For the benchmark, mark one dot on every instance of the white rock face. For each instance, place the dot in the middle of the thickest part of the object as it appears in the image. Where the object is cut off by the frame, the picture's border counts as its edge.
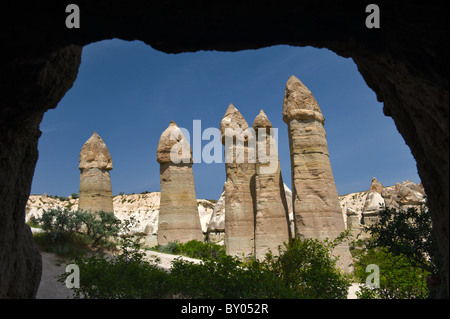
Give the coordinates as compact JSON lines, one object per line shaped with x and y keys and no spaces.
{"x":400,"y":196}
{"x":143,"y":207}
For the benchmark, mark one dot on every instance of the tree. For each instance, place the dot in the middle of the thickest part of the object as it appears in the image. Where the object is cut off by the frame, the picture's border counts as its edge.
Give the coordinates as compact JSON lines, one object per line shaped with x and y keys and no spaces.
{"x":403,"y":245}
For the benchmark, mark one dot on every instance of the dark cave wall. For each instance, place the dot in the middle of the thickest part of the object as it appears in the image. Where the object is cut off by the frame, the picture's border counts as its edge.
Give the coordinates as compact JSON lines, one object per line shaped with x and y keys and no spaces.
{"x":405,"y":62}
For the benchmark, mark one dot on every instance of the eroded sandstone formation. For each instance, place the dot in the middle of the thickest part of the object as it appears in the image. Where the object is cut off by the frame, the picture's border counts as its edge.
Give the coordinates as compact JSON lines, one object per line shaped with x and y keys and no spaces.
{"x":362,"y":208}
{"x":95,"y":162}
{"x":317,"y":210}
{"x":271,"y":212}
{"x":178,"y":214}
{"x":240,"y":184}
{"x":374,"y":202}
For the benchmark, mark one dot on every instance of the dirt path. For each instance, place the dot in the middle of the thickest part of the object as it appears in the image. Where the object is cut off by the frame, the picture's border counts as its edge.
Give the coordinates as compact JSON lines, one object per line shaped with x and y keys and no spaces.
{"x":50,"y":288}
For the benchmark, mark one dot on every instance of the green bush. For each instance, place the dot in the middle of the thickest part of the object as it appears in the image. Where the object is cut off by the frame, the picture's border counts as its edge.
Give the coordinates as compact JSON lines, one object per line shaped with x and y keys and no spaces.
{"x":201,"y":250}
{"x":172,"y":247}
{"x":66,"y":228}
{"x":399,"y":278}
{"x":126,"y":276}
{"x":193,"y":249}
{"x":225,"y":277}
{"x":306,"y":267}
{"x":403,"y":246}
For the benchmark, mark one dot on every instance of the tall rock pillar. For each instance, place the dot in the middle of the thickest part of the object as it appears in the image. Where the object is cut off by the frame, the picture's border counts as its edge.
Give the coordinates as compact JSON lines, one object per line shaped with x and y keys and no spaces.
{"x":95,"y":162}
{"x":272,"y":217}
{"x":317,"y":210}
{"x":239,"y":186}
{"x":178,"y":214}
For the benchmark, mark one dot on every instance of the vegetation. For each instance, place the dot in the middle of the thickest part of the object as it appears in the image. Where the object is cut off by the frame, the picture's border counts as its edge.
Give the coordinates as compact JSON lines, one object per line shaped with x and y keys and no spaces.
{"x":193,"y":249}
{"x":403,"y":246}
{"x":307,"y":268}
{"x":67,"y":231}
{"x":125,"y":276}
{"x":128,"y":275}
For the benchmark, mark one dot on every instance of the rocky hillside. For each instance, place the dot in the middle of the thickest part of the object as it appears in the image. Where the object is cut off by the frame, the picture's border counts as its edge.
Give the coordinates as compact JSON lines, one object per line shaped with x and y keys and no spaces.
{"x":400,"y":196}
{"x":145,"y":207}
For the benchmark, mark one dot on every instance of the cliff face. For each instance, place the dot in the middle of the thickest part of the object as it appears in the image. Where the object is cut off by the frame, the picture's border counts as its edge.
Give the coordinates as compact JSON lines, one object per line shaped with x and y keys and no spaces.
{"x":143,"y":207}
{"x":399,"y":196}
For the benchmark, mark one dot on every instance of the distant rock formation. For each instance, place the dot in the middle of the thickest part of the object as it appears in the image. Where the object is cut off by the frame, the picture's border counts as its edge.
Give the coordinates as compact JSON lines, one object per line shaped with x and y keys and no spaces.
{"x":178,"y":215}
{"x":239,"y":186}
{"x":95,"y":162}
{"x":216,"y":224}
{"x":271,"y":214}
{"x":362,"y":208}
{"x":374,"y":202}
{"x":143,"y":207}
{"x":316,"y":205}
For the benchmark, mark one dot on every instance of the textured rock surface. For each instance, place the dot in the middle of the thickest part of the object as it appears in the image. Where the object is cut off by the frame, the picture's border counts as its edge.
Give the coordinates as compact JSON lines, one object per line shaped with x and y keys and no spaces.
{"x":95,"y":182}
{"x":317,"y":210}
{"x":271,"y":214}
{"x":374,"y":200}
{"x":405,"y":62}
{"x":361,"y":208}
{"x":144,"y":208}
{"x":216,"y":225}
{"x":239,"y":190}
{"x":28,"y":88}
{"x":178,"y":214}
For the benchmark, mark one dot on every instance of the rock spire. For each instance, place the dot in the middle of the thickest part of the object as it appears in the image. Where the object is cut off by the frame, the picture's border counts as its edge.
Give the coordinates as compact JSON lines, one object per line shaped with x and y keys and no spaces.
{"x":178,"y":215}
{"x":272,"y":217}
{"x":95,"y":162}
{"x":317,"y":210}
{"x":239,"y":186}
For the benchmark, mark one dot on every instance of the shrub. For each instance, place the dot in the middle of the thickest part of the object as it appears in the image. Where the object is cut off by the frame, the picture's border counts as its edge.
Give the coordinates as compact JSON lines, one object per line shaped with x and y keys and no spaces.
{"x":399,"y":278}
{"x":306,"y":266}
{"x":101,"y":226}
{"x":226,"y":278}
{"x":64,"y":227}
{"x":303,"y":269}
{"x":172,"y":247}
{"x":402,"y":244}
{"x":201,"y":250}
{"x":193,"y":249}
{"x":124,"y":276}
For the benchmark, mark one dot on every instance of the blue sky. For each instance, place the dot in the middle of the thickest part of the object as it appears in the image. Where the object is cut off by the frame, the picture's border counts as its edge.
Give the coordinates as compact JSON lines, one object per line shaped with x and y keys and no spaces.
{"x":129,"y":93}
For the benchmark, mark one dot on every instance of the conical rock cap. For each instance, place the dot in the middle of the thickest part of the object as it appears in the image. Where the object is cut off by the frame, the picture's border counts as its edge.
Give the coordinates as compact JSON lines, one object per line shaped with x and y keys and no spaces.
{"x":299,"y":103}
{"x":95,"y":154}
{"x":234,"y":120}
{"x":173,"y":140}
{"x":261,"y":121}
